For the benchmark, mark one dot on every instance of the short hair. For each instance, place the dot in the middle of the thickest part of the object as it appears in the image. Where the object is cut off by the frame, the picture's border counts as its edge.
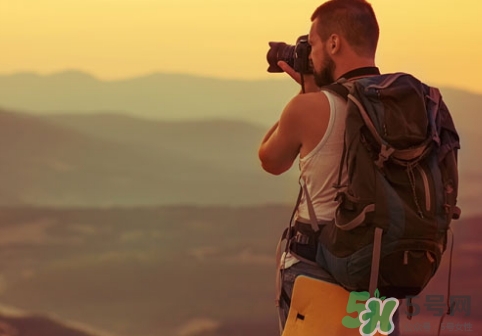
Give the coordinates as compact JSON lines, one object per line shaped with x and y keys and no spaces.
{"x":354,"y":20}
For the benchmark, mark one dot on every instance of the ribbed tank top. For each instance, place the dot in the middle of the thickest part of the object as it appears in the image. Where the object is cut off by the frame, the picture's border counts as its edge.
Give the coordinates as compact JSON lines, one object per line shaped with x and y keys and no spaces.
{"x":319,"y":168}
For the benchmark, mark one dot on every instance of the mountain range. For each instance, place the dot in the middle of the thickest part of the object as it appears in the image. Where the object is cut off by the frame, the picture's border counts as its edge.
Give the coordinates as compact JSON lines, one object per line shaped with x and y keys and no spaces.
{"x":45,"y":163}
{"x":177,"y":97}
{"x":156,"y":96}
{"x":70,"y":139}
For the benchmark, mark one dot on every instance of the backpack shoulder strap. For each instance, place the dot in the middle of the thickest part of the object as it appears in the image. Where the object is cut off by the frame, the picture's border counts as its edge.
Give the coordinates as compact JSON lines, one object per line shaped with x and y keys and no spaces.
{"x":338,"y":89}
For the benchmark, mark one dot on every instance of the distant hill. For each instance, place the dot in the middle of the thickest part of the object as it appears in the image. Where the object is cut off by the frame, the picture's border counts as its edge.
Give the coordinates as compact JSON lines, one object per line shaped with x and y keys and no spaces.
{"x":175,"y":96}
{"x":159,"y":96}
{"x":163,"y":139}
{"x":180,"y":97}
{"x":113,"y":159}
{"x":132,"y":162}
{"x":227,"y":144}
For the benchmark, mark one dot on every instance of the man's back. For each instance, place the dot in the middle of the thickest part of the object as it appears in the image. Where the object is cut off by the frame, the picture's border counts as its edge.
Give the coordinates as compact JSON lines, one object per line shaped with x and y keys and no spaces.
{"x":319,"y":168}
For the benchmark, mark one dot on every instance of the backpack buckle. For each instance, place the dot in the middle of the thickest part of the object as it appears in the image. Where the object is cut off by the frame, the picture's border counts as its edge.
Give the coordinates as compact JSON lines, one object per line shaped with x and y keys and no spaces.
{"x":384,"y":155}
{"x":301,"y":238}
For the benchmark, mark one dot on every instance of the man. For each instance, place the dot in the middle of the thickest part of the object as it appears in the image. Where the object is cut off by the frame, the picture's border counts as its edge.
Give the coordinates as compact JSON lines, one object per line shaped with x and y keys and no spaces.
{"x":343,"y":38}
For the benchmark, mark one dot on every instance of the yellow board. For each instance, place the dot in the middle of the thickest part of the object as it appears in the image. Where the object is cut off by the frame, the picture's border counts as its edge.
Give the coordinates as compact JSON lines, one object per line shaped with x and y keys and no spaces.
{"x":317,"y":309}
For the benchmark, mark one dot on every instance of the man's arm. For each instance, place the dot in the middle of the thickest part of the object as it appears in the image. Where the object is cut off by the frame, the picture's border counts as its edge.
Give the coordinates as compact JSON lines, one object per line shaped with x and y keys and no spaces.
{"x":270,"y":132}
{"x":281,"y":145}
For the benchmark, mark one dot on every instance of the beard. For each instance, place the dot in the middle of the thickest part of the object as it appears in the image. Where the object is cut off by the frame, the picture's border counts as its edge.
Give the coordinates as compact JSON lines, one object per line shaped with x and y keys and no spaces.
{"x":325,"y":75}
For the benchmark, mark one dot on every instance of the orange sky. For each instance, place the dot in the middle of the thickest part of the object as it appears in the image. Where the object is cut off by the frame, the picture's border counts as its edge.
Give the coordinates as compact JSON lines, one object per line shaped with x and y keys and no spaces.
{"x":439,"y":41}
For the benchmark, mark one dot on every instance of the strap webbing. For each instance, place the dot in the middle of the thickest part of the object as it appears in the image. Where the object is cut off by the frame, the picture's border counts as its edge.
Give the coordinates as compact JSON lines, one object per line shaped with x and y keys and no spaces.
{"x":311,"y":210}
{"x":298,"y":200}
{"x":449,"y":307}
{"x":339,"y":89}
{"x":285,"y":236}
{"x":377,"y":247}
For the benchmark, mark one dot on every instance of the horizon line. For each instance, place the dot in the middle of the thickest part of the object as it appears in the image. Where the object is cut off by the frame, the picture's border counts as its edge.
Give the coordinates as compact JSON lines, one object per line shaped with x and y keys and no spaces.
{"x":181,"y":74}
{"x":137,"y":76}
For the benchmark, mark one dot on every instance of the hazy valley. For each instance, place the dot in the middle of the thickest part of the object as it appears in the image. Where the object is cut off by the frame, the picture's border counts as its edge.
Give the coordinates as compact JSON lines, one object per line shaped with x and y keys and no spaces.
{"x":173,"y":271}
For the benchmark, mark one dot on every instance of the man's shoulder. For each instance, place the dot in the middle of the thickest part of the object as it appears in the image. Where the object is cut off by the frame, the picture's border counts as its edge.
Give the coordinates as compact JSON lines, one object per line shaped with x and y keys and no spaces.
{"x":307,"y":110}
{"x":310,"y":100}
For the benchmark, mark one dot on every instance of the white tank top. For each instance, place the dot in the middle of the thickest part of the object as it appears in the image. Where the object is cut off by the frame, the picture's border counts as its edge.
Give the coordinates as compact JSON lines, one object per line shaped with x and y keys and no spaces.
{"x":319,"y":168}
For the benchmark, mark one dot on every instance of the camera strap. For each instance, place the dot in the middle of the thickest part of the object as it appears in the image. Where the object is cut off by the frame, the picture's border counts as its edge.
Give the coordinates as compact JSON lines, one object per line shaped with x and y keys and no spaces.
{"x":359,"y":72}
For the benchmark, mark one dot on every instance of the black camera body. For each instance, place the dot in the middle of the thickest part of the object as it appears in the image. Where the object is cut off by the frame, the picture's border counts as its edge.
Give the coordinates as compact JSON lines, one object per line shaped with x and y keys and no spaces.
{"x":297,"y":56}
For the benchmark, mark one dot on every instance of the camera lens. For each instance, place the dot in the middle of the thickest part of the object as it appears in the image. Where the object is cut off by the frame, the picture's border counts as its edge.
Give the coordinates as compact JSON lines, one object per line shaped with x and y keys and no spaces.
{"x":280,"y":51}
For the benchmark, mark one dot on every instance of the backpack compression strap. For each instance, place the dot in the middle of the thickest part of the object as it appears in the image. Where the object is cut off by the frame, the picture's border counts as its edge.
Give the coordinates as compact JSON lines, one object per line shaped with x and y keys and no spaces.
{"x":311,"y":210}
{"x":377,"y":248}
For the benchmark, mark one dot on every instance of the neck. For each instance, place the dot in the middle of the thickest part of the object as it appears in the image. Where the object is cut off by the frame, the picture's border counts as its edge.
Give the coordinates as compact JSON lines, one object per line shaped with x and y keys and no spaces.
{"x":344,"y":67}
{"x":359,"y":73}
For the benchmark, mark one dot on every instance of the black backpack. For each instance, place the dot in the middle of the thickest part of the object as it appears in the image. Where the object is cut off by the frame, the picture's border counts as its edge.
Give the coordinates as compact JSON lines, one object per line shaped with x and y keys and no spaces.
{"x":400,"y":153}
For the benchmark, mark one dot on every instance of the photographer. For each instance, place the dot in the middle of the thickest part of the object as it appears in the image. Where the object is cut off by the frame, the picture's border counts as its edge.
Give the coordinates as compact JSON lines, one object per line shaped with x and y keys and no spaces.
{"x":343,"y":40}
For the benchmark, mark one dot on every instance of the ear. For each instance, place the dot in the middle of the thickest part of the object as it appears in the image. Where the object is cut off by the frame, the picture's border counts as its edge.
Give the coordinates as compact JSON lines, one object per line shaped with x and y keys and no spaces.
{"x":334,"y":44}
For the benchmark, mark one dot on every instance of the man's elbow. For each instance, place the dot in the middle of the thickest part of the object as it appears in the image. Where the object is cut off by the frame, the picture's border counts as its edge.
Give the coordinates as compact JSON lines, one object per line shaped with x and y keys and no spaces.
{"x":271,"y":166}
{"x":272,"y":169}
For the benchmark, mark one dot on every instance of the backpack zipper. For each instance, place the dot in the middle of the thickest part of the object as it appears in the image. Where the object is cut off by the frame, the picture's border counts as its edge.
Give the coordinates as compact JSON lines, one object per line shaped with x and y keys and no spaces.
{"x":426,"y":187}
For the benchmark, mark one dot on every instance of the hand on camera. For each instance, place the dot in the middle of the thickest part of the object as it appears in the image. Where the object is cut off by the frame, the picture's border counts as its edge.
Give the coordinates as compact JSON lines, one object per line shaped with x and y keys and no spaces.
{"x":309,"y":80}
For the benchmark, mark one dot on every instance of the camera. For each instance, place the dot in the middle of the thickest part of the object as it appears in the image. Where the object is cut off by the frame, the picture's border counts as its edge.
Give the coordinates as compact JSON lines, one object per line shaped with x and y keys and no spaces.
{"x":297,"y":56}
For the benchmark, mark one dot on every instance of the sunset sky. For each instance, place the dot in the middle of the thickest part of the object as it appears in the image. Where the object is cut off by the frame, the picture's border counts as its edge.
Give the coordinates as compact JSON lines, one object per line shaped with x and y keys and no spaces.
{"x":439,"y":41}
